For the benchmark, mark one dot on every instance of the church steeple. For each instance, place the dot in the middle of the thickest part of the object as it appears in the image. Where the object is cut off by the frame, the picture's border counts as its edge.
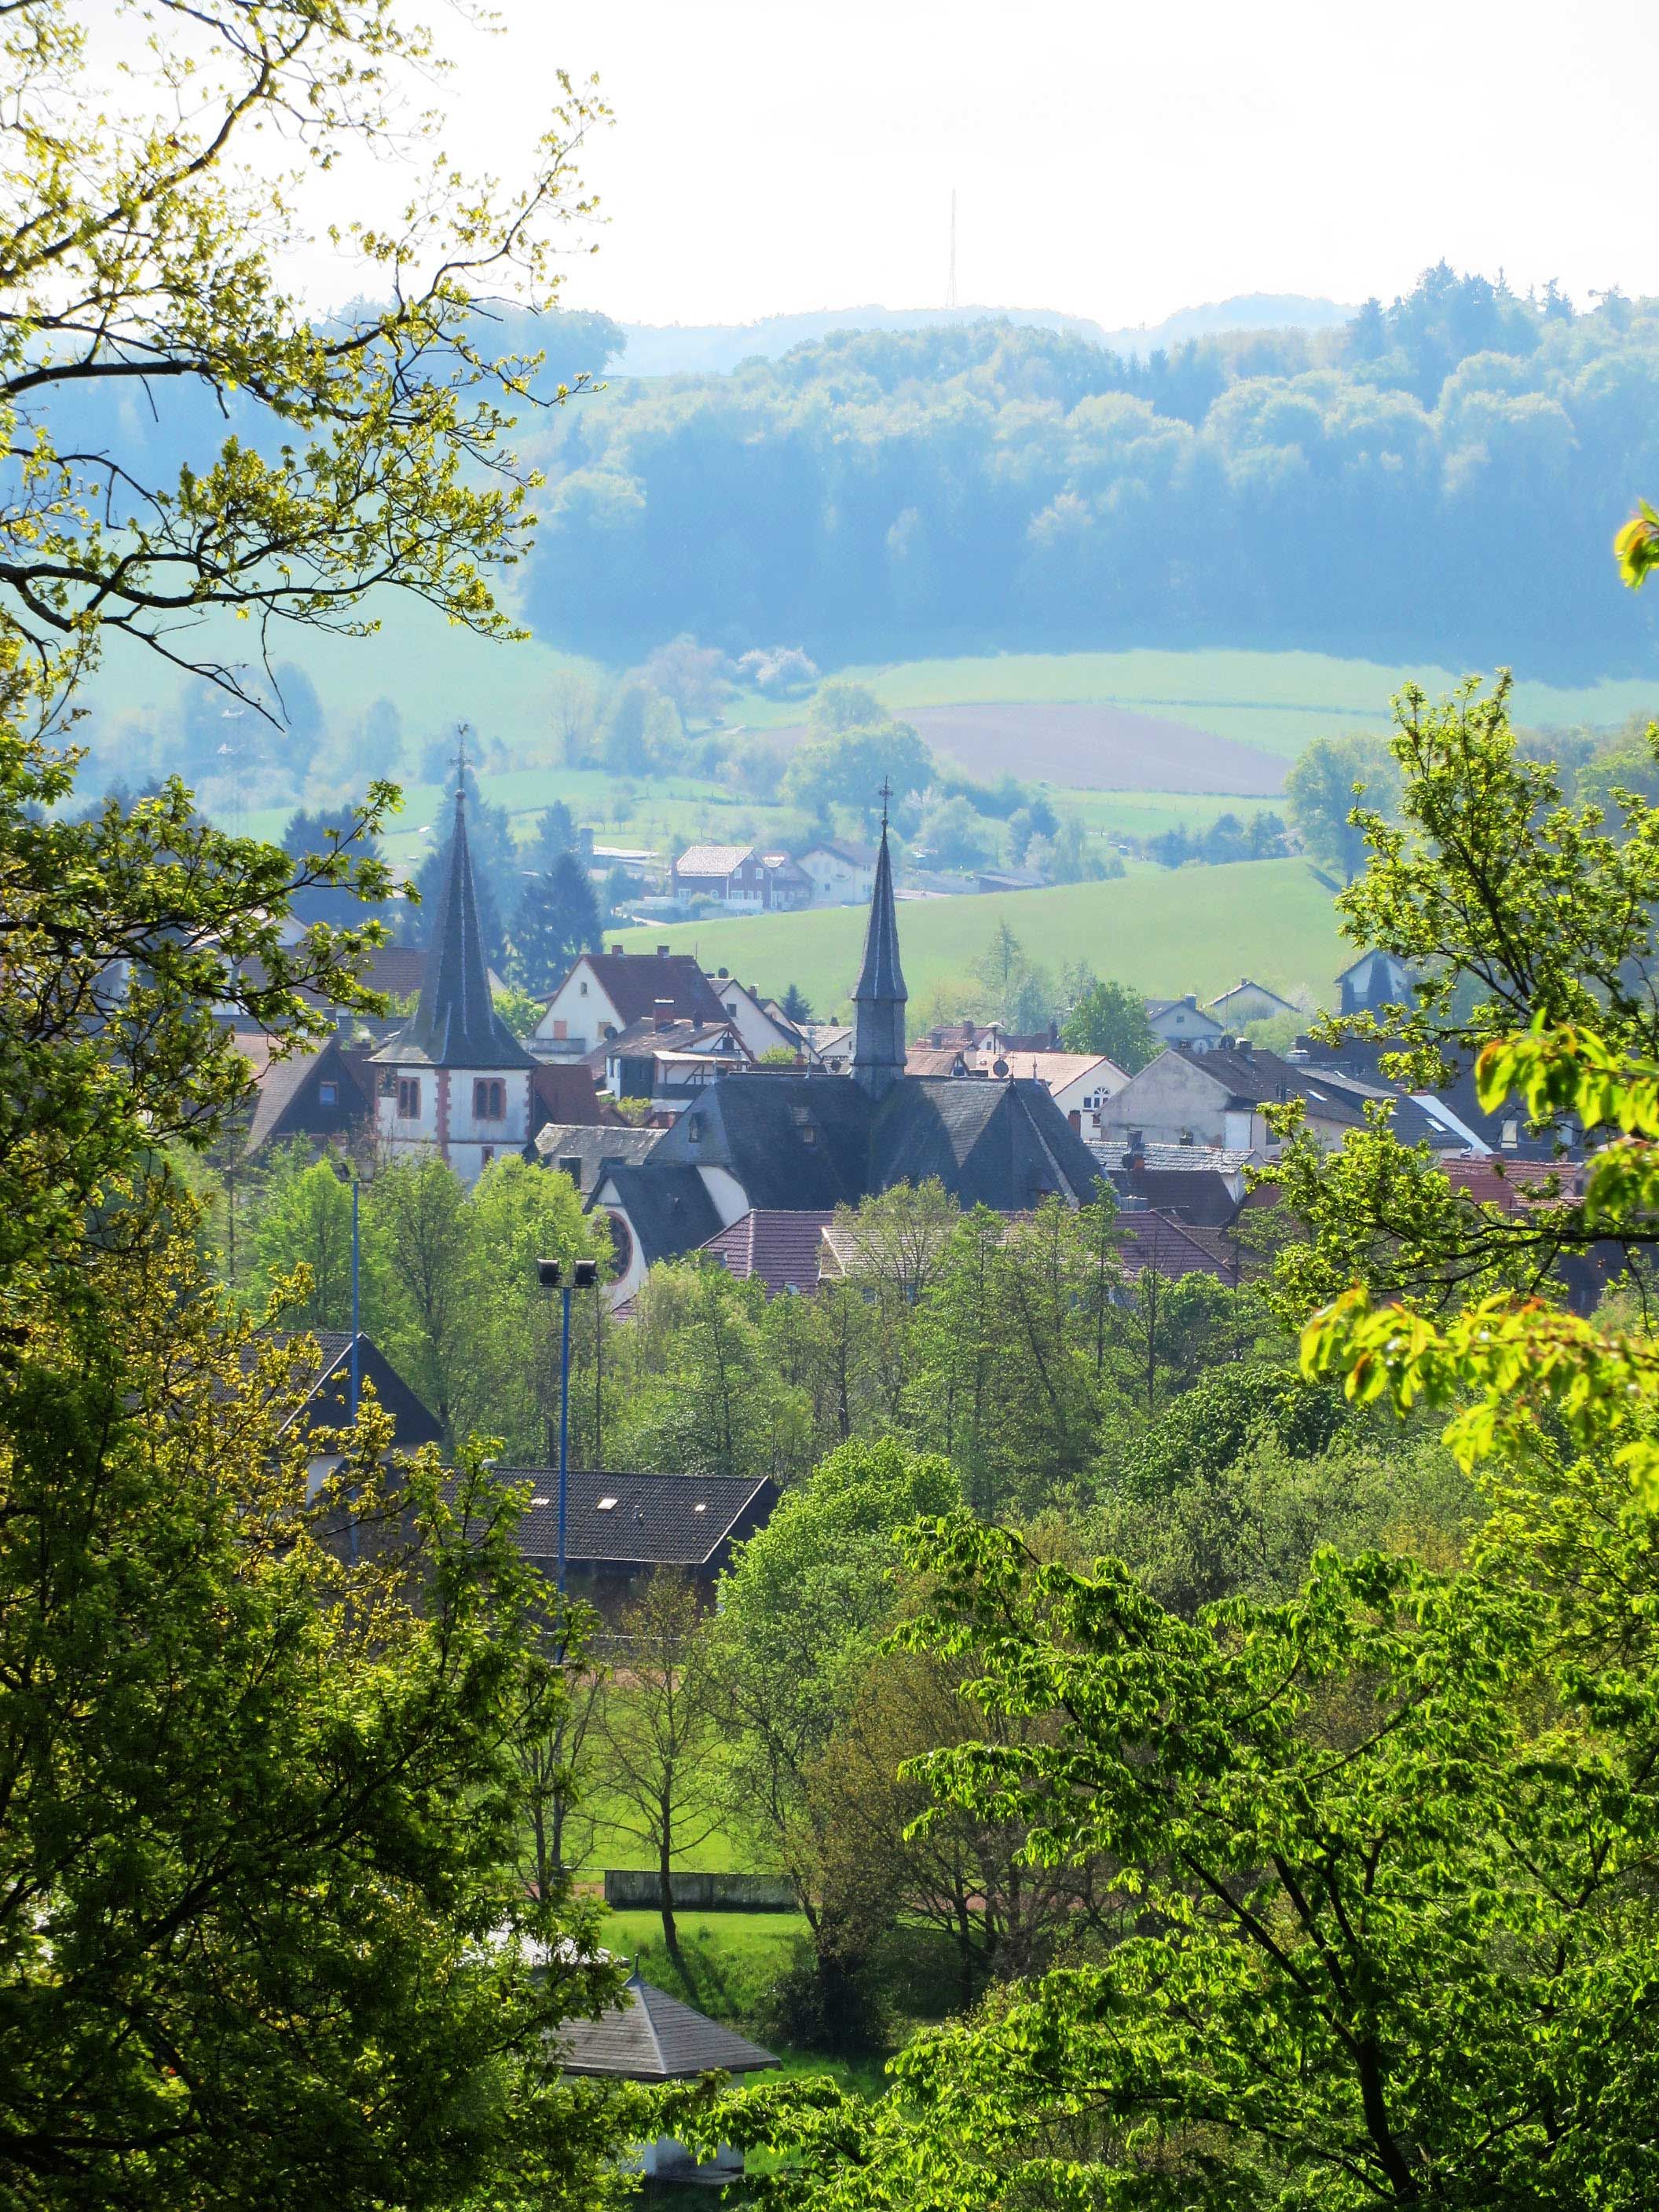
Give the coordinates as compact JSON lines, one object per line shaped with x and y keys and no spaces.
{"x":878,"y":1000}
{"x":456,"y":1024}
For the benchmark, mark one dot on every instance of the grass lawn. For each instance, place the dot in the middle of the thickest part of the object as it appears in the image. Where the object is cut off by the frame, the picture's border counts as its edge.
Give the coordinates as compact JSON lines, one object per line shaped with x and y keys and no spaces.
{"x":1194,"y":929}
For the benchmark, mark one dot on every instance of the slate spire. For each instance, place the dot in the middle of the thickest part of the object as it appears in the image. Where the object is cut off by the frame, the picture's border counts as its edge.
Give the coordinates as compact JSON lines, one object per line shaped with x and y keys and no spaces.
{"x":879,"y":1000}
{"x":456,"y":1024}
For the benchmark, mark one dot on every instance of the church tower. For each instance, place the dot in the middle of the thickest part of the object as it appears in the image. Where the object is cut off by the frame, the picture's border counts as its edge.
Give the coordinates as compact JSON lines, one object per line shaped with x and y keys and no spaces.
{"x":879,"y":1000}
{"x":455,"y":1081}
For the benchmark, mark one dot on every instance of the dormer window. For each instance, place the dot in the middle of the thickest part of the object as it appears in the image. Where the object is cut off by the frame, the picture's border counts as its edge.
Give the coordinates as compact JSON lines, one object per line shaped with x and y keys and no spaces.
{"x":328,"y":1094}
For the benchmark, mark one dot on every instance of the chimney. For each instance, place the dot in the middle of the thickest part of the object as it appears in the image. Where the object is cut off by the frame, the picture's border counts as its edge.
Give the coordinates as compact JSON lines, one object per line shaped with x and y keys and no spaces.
{"x":616,"y":948}
{"x":662,"y":952}
{"x":662,"y":1014}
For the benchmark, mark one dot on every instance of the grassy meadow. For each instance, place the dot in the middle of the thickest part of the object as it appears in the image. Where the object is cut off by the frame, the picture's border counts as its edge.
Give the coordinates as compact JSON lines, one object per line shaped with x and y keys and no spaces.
{"x":1192,"y":929}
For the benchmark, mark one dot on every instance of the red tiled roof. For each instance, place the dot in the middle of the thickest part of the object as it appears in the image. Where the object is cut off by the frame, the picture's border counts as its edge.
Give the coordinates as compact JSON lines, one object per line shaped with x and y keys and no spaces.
{"x":634,"y":981}
{"x":781,"y":1249}
{"x":1508,"y":1184}
{"x":1169,"y":1247}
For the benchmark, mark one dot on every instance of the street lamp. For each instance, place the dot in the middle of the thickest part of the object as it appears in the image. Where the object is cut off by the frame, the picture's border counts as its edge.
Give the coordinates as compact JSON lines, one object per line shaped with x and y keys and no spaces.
{"x":583,"y":1276}
{"x":344,"y":1169}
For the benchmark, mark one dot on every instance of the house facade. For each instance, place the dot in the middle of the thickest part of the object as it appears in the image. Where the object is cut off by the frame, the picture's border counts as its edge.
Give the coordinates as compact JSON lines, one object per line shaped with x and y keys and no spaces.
{"x":606,"y":993}
{"x":454,"y":1083}
{"x":1183,"y":1022}
{"x":735,"y":875}
{"x":841,"y":874}
{"x":1249,"y":1001}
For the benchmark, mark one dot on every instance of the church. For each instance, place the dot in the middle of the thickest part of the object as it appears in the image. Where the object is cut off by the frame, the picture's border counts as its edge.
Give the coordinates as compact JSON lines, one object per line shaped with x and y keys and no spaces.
{"x":454,"y":1083}
{"x":802,"y":1141}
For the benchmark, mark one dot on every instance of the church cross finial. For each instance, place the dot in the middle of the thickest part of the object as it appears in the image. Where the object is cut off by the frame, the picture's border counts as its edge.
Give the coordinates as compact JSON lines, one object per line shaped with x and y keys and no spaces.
{"x":885,"y":793}
{"x":460,"y":761}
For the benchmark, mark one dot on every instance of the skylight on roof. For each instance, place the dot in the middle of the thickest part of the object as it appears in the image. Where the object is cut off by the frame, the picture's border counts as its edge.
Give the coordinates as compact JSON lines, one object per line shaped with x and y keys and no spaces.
{"x":702,"y":1506}
{"x":541,"y":1501}
{"x":606,"y":1505}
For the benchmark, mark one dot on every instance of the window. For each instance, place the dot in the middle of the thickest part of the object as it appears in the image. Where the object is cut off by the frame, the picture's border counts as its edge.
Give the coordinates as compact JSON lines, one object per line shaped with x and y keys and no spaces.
{"x":489,"y":1155}
{"x":607,"y":1504}
{"x":572,"y":1166}
{"x":489,"y":1099}
{"x":328,"y":1094}
{"x":582,"y":988}
{"x":541,"y":1501}
{"x":562,"y":1029}
{"x":409,"y":1097}
{"x":701,"y":1506}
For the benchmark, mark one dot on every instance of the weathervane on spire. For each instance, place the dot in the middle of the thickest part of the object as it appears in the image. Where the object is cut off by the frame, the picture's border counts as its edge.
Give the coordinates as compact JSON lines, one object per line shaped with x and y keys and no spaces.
{"x":884,"y":794}
{"x":460,"y":762}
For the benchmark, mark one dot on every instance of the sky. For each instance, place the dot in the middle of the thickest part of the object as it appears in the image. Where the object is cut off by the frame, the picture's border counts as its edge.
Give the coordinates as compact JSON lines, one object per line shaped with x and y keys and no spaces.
{"x":1110,"y":160}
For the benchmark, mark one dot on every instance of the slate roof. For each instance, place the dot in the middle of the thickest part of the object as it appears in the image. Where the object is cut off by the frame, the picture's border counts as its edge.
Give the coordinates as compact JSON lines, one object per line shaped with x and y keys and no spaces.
{"x":996,"y":1142}
{"x":281,"y":1106}
{"x":328,"y":1405}
{"x":594,"y":1144}
{"x":656,"y":1519}
{"x":667,"y":1207}
{"x":1206,"y":1201}
{"x":1179,"y":1159}
{"x":456,"y":1024}
{"x":652,"y":2037}
{"x":781,"y":1249}
{"x":634,"y":981}
{"x":881,"y":977}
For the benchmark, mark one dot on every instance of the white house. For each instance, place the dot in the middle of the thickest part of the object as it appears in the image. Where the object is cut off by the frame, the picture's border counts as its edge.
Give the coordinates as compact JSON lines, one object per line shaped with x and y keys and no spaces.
{"x":454,"y":1083}
{"x":759,"y":1028}
{"x":1249,"y":1001}
{"x":735,"y":875}
{"x":606,"y":993}
{"x":841,"y":874}
{"x":1183,"y":1022}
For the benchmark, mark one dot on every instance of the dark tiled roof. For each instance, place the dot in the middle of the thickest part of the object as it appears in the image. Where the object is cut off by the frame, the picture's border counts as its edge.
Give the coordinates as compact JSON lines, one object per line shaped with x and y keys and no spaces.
{"x":634,"y":981}
{"x":667,"y":1206}
{"x":329,"y":1404}
{"x":781,"y":1248}
{"x":795,"y":1142}
{"x":657,"y":1520}
{"x":287,"y":1102}
{"x":1152,"y":1240}
{"x":652,"y":2037}
{"x":1203,"y":1201}
{"x":990,"y":1142}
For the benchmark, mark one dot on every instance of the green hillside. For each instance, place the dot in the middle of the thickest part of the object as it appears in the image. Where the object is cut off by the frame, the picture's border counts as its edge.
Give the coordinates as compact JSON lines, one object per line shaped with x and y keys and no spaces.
{"x":1275,"y":700}
{"x":1197,"y":929}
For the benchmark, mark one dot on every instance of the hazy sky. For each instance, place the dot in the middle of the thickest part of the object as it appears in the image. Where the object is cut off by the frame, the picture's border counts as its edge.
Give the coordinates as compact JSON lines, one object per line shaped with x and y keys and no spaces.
{"x":1113,"y":160}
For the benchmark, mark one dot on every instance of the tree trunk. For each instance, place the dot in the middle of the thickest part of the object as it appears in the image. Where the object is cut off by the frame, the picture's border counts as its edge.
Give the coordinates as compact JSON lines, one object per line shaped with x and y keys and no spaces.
{"x":670,"y":1934}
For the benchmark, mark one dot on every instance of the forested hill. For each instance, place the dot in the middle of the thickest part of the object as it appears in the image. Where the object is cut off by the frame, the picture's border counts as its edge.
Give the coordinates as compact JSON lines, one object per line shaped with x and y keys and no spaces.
{"x":1438,"y":479}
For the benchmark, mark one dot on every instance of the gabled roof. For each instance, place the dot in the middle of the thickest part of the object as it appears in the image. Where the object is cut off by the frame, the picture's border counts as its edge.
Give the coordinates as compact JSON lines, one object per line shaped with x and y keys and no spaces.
{"x":652,"y":1521}
{"x":456,"y":1024}
{"x":1058,"y":1069}
{"x":667,"y":1206}
{"x":841,"y":848}
{"x":712,"y":860}
{"x":990,"y":1141}
{"x":936,"y":1060}
{"x":1154,"y":1241}
{"x":284,"y":1085}
{"x":634,"y":981}
{"x":1223,"y":999}
{"x":562,"y":1091}
{"x":781,"y":1249}
{"x":651,"y":2037}
{"x":328,"y":1402}
{"x":1174,"y":1159}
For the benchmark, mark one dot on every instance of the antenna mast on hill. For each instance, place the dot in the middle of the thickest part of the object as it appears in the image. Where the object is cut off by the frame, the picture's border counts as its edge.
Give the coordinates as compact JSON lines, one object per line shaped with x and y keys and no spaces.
{"x":951,"y":288}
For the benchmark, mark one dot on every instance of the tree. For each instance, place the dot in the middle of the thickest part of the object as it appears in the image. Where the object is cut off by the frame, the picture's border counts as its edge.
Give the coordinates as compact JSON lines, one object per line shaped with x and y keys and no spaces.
{"x":797,"y":1006}
{"x":418,"y":1229}
{"x":348,"y":462}
{"x":847,"y":767}
{"x":840,"y":705}
{"x":704,"y":1400}
{"x":305,"y":1221}
{"x":692,"y":676}
{"x":661,"y":1729}
{"x":1111,"y":1019}
{"x":557,"y":918}
{"x":799,"y":1616}
{"x":1325,"y":784}
{"x":555,"y":833}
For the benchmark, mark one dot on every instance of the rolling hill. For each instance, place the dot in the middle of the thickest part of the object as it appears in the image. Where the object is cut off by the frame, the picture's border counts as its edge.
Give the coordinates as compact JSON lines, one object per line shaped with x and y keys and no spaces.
{"x":1197,"y":929}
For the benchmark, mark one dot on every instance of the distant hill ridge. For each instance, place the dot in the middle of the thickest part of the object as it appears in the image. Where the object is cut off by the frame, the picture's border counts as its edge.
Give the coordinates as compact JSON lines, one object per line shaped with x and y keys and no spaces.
{"x":702,"y":349}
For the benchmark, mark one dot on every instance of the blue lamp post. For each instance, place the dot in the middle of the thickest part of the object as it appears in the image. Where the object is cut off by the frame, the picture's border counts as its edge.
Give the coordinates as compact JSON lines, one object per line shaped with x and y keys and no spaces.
{"x":583,"y":1276}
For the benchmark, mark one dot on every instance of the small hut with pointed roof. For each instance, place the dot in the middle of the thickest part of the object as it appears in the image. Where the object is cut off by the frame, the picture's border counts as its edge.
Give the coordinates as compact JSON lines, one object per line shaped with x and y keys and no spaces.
{"x":454,"y":1083}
